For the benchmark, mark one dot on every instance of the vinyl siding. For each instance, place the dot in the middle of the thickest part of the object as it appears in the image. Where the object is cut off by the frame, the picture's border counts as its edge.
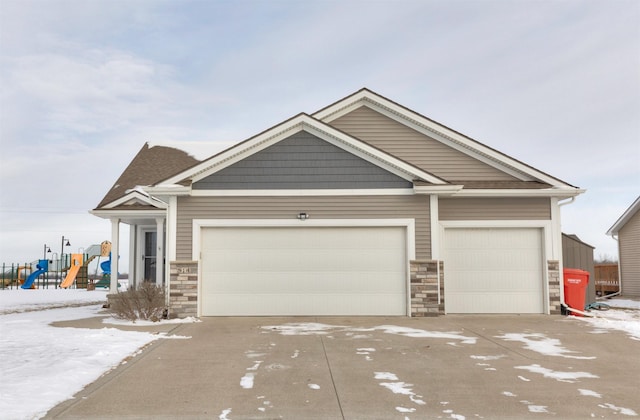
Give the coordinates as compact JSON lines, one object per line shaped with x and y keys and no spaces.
{"x":494,"y":209}
{"x":629,"y":240}
{"x":302,"y":161}
{"x":415,"y":148}
{"x":359,"y":207}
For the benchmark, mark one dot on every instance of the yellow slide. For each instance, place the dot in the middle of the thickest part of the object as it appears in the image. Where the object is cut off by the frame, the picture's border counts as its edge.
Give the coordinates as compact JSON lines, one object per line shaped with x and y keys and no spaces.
{"x":76,"y":263}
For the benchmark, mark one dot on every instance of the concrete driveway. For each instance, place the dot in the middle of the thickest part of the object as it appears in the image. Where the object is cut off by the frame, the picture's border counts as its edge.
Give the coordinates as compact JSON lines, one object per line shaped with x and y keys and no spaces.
{"x":373,"y":368}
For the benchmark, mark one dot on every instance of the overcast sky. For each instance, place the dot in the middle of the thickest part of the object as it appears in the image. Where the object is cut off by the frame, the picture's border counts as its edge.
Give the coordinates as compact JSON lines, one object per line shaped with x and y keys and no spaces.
{"x":84,"y":84}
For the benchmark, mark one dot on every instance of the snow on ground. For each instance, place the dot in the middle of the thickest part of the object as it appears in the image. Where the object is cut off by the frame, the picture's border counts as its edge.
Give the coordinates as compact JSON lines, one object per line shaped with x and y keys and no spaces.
{"x":43,"y":365}
{"x":625,"y":320}
{"x":19,"y":300}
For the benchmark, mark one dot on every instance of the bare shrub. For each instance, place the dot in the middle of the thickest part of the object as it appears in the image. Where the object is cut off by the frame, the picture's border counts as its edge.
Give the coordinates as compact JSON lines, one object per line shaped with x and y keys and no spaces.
{"x":146,"y":302}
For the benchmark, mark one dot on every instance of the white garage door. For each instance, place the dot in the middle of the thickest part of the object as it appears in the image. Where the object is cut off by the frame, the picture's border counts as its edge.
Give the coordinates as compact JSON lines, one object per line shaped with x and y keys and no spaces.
{"x":493,"y":271}
{"x":304,"y":271}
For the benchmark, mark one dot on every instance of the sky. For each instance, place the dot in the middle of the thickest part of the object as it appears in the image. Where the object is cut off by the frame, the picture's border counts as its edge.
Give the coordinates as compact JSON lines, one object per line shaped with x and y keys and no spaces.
{"x":85,"y":83}
{"x":34,"y":354}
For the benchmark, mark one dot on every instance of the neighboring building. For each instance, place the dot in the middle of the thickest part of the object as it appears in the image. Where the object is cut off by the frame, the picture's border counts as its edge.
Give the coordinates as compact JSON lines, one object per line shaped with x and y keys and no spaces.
{"x":626,"y":230}
{"x":578,"y":254}
{"x":362,"y":208}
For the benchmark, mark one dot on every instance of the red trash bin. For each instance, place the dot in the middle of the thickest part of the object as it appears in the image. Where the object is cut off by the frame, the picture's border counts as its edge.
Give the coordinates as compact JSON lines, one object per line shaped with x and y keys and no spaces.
{"x":575,"y":288}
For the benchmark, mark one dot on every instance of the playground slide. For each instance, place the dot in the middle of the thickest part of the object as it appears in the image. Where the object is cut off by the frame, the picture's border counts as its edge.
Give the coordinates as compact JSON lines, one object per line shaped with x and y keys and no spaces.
{"x":76,"y":263}
{"x":42,"y":267}
{"x":106,"y":265}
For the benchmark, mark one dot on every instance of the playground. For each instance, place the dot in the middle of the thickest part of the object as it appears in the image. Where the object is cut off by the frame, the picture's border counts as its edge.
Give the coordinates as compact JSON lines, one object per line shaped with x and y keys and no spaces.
{"x":87,"y":269}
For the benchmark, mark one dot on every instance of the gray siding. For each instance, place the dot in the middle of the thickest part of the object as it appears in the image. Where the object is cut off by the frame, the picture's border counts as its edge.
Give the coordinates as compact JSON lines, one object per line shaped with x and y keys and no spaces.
{"x":348,"y":207}
{"x":416,"y":148}
{"x":629,"y":245}
{"x":494,"y":209}
{"x":577,"y":254}
{"x":301,"y":161}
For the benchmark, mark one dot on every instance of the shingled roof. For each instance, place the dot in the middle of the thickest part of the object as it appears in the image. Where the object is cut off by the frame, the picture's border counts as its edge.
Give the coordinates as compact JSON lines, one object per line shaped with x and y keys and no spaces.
{"x":151,"y":165}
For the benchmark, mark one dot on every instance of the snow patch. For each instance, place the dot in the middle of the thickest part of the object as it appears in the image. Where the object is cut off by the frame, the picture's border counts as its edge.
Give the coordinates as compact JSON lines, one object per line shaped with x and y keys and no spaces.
{"x":537,"y":408}
{"x":405,"y":410}
{"x":33,"y":354}
{"x":314,"y":386}
{"x":570,"y":377}
{"x":310,"y":328}
{"x":589,"y":393}
{"x":627,"y":321}
{"x":621,"y":410}
{"x":224,"y":414}
{"x":508,"y":394}
{"x":385,"y":376}
{"x":145,"y":323}
{"x":247,"y":381}
{"x":543,"y":345}
{"x":487,"y":358}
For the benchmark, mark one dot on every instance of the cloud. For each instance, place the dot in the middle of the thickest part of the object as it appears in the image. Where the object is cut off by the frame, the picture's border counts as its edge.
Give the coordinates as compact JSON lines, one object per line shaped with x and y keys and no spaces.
{"x":84,"y":84}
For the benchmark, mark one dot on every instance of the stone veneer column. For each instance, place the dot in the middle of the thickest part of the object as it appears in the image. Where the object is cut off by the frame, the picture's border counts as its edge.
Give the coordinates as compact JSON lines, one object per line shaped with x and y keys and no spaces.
{"x":183,"y":289}
{"x":427,"y":277}
{"x":553,"y":274}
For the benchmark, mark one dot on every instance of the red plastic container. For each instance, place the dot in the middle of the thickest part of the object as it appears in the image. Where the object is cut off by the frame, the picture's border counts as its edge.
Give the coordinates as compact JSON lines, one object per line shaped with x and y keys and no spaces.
{"x":575,"y":288}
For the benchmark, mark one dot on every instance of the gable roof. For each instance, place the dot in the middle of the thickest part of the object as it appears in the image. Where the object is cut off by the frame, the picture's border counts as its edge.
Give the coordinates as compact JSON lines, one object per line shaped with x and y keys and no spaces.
{"x":150,"y":165}
{"x":437,"y":131}
{"x":626,"y":216}
{"x":303,"y":122}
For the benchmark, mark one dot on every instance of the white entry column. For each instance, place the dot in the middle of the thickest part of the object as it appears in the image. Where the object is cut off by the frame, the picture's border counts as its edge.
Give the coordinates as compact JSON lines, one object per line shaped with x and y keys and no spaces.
{"x":115,"y":252}
{"x":159,"y":250}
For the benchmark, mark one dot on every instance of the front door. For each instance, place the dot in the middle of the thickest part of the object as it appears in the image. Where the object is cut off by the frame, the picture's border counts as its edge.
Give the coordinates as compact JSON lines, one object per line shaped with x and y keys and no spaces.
{"x":149,"y":256}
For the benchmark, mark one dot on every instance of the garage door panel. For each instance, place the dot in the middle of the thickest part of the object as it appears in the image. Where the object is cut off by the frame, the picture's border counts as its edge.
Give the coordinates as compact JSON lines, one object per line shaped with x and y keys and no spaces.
{"x":493,"y":270}
{"x":303,"y":304}
{"x":304,"y":271}
{"x":307,"y":260}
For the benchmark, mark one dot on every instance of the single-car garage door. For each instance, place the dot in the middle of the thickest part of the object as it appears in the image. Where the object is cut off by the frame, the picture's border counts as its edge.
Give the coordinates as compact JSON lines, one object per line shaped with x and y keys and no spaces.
{"x":493,"y":270}
{"x":303,"y":271}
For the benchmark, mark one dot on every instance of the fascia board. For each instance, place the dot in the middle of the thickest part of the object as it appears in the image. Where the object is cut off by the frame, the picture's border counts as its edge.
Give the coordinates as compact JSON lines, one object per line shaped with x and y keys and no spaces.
{"x":622,"y":220}
{"x":128,"y":214}
{"x":435,"y":130}
{"x":168,"y":190}
{"x":438,"y":189}
{"x":546,"y":192}
{"x":302,"y":193}
{"x":316,"y":127}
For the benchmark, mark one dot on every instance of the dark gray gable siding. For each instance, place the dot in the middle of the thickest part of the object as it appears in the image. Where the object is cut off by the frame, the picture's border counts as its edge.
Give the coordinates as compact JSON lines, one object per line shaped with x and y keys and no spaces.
{"x":302,"y":161}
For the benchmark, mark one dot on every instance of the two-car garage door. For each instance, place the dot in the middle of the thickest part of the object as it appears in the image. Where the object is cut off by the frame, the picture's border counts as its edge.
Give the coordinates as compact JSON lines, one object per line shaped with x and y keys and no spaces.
{"x":493,"y":270}
{"x":304,"y":271}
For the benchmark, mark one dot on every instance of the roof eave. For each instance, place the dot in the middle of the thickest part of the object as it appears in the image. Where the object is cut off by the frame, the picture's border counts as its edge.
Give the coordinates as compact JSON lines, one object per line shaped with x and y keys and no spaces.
{"x":622,"y":220}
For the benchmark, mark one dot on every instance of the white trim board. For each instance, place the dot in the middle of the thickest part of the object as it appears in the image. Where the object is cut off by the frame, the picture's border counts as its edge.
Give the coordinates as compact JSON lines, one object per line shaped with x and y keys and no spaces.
{"x":409,"y":224}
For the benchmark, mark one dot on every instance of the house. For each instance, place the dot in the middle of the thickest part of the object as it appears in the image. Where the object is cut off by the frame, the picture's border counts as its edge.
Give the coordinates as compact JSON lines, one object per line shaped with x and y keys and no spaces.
{"x":364,"y":207}
{"x":626,"y":230}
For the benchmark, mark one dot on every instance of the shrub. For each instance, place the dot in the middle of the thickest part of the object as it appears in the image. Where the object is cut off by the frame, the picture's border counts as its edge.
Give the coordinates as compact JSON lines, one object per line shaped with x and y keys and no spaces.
{"x":146,"y":302}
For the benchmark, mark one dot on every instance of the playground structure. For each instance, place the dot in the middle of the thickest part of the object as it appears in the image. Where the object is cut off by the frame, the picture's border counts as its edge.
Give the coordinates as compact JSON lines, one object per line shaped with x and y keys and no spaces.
{"x":63,"y":273}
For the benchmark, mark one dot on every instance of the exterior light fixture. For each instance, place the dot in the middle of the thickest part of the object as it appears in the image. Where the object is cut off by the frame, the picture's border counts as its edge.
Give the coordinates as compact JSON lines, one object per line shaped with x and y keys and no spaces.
{"x":62,"y":245}
{"x":303,"y":216}
{"x":45,"y":250}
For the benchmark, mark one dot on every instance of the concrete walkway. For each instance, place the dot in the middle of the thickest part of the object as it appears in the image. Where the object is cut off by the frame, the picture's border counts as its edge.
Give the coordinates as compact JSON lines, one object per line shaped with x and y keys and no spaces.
{"x":372,"y":368}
